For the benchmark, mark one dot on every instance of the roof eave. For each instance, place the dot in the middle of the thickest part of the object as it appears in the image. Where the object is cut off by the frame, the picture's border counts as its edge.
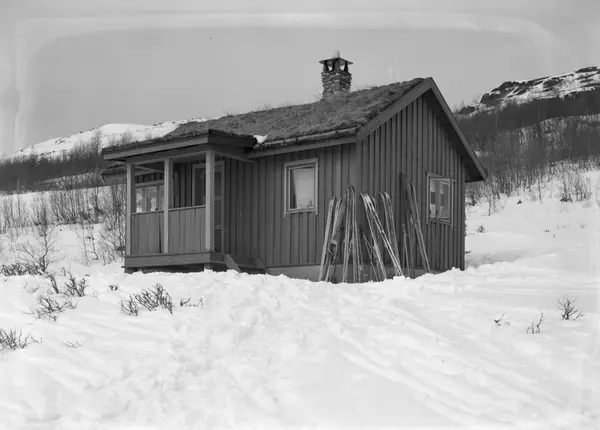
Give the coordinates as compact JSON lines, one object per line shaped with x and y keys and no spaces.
{"x":479,"y":173}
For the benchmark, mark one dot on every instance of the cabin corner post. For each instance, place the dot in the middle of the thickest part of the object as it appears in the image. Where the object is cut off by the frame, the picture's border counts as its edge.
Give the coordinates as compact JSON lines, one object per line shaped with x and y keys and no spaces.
{"x":210,"y":201}
{"x":130,"y":193}
{"x":167,"y":202}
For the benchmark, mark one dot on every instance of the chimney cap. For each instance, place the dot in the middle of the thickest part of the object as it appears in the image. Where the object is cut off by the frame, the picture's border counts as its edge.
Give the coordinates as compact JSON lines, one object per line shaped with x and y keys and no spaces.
{"x":336,"y":56}
{"x":343,"y":60}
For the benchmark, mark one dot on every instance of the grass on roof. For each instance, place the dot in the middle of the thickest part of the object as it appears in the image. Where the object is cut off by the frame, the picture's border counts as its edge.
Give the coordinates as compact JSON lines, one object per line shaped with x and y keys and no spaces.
{"x":350,"y":110}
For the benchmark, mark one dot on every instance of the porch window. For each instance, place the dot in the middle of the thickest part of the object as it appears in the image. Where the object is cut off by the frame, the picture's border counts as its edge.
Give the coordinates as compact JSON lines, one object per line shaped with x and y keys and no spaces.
{"x":440,"y":201}
{"x":149,"y":197}
{"x":301,"y":186}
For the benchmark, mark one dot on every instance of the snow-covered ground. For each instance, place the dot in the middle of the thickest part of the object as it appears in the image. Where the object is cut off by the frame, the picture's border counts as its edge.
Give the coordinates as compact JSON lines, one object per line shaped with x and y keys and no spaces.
{"x":273,"y":352}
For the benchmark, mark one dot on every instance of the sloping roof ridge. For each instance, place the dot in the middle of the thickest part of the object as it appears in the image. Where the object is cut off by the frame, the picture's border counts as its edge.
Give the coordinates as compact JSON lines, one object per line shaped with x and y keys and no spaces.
{"x":347,"y":110}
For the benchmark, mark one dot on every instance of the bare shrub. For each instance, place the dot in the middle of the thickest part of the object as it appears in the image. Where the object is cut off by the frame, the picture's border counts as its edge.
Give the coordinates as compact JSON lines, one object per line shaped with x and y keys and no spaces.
{"x":68,"y":202}
{"x":42,"y":252}
{"x":151,"y":299}
{"x":112,"y":229}
{"x":113,"y":287}
{"x":130,"y":306}
{"x":86,"y":236}
{"x":582,"y":187}
{"x":574,"y":185}
{"x":50,"y":307}
{"x":538,"y":188}
{"x":40,"y":212}
{"x":534,"y":328}
{"x":568,"y":310}
{"x":75,"y":287}
{"x":15,"y":215}
{"x":13,"y":340}
{"x":18,"y":269}
{"x":155,"y":298}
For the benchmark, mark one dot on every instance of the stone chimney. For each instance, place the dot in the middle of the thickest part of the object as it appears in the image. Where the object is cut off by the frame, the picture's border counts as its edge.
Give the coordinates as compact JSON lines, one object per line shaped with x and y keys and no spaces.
{"x":336,"y":76}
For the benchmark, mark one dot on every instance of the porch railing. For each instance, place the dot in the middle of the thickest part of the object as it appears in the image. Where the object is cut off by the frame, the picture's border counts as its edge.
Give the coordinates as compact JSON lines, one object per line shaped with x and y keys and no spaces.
{"x":146,"y":233}
{"x":186,"y":231}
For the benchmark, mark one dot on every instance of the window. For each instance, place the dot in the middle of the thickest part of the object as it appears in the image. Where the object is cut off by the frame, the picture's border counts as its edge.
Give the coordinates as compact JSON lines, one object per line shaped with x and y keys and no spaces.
{"x":301,"y":186}
{"x":440,"y":201}
{"x":149,"y":197}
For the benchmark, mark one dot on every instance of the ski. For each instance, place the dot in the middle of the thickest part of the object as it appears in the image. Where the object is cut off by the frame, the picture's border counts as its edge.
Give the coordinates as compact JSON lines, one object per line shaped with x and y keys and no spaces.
{"x":391,"y":230}
{"x":371,"y":214}
{"x":357,"y":259}
{"x":350,"y":204}
{"x":327,"y":238}
{"x":333,"y":244}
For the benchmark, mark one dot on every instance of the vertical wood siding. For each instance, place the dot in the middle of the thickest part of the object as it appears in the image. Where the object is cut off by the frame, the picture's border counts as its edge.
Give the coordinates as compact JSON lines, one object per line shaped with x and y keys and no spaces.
{"x":147,"y":231}
{"x":416,"y":143}
{"x":186,"y":230}
{"x":254,"y":222}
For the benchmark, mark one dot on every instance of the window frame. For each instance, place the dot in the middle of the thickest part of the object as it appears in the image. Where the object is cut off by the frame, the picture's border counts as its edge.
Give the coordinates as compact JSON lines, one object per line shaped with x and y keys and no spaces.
{"x":432,"y":178}
{"x":287,"y":169}
{"x":159,"y":201}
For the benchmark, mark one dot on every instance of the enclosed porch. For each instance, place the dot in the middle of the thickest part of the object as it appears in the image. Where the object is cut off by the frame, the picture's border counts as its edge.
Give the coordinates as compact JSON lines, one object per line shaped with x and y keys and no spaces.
{"x":175,"y":206}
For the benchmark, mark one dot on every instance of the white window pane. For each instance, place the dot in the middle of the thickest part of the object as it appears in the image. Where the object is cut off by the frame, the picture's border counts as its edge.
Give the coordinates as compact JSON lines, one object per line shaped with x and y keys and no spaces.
{"x":445,"y":200}
{"x":139,"y":200}
{"x":433,"y":198}
{"x":151,"y":198}
{"x":302,"y":188}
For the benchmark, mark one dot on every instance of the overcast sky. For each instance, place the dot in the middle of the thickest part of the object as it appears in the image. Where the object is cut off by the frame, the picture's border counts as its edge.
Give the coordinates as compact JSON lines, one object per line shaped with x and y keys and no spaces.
{"x":148,"y":75}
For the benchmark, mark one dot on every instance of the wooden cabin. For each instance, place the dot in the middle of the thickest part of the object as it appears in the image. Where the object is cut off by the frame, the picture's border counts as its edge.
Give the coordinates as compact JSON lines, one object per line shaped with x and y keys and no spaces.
{"x":251,"y":191}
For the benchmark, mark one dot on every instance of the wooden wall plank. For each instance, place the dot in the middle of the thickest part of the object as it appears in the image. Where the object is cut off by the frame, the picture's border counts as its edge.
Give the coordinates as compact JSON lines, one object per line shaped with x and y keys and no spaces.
{"x":415,"y":142}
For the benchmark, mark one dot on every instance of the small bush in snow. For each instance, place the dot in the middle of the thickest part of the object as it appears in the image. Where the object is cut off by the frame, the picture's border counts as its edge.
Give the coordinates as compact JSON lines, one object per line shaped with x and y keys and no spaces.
{"x":47,"y":306}
{"x":567,"y":309}
{"x":155,"y":298}
{"x":113,"y":287}
{"x":19,"y":269}
{"x":74,"y":287}
{"x":130,"y":306}
{"x":151,"y":299}
{"x":534,"y":328}
{"x":481,"y":229}
{"x":13,"y":340}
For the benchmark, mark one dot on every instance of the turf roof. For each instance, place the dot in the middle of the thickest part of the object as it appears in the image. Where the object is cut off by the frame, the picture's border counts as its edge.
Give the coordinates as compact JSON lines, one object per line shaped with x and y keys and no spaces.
{"x":353,"y":109}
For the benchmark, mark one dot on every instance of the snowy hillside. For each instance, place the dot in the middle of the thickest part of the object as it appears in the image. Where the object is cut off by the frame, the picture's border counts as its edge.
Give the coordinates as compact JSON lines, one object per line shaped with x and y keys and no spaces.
{"x":271,"y":352}
{"x":560,"y":86}
{"x":108,"y":133}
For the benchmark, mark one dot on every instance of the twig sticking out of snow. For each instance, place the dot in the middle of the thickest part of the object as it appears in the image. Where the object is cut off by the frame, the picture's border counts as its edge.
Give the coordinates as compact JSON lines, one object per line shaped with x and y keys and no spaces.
{"x":534,"y":328}
{"x":501,"y":321}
